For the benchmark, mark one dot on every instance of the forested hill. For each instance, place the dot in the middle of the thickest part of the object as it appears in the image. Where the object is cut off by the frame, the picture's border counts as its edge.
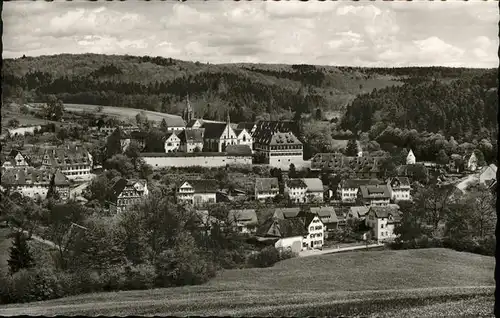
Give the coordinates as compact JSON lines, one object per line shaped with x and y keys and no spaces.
{"x":464,"y":108}
{"x":248,"y":91}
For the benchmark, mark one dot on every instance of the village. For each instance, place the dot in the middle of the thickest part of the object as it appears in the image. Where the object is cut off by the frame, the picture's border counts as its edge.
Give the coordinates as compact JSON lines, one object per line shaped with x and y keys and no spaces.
{"x":294,"y":206}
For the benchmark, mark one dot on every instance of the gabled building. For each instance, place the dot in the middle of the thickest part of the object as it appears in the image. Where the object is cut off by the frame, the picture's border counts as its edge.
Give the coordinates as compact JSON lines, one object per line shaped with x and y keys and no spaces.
{"x":266,"y":188}
{"x":35,"y":183}
{"x":172,"y":142}
{"x":245,"y":220}
{"x":248,"y":126}
{"x":328,"y":216}
{"x":16,"y":159}
{"x":191,"y":140}
{"x":280,"y":150}
{"x":357,"y":212}
{"x":75,"y":161}
{"x":382,"y":221}
{"x":347,"y":189}
{"x":194,"y":124}
{"x":286,"y":234}
{"x":127,"y":192}
{"x":315,"y":232}
{"x":286,"y":213}
{"x":198,"y":192}
{"x":410,"y":158}
{"x":378,"y":195}
{"x":296,"y":190}
{"x":366,"y":167}
{"x":218,"y":136}
{"x":315,"y":190}
{"x":400,"y":189}
{"x":244,"y":137}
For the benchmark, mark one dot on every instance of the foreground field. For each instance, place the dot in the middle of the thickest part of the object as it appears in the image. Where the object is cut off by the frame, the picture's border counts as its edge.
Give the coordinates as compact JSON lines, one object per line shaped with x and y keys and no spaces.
{"x":377,"y":283}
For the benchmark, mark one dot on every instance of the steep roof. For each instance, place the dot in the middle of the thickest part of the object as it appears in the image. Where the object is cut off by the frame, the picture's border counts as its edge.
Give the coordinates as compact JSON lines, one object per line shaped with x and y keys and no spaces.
{"x":246,"y":125}
{"x":192,"y":135}
{"x":280,"y":139}
{"x":192,"y":122}
{"x":122,"y":183}
{"x":326,"y":214}
{"x":60,"y":179}
{"x":204,"y":185}
{"x":25,"y":176}
{"x":247,"y":216}
{"x":313,"y":184}
{"x":264,"y":129}
{"x":356,"y":183}
{"x":359,"y":211}
{"x":240,"y":150}
{"x":266,"y":184}
{"x":286,"y":213}
{"x":374,"y":192}
{"x":296,"y":183}
{"x":282,"y":228}
{"x":385,"y":212}
{"x":214,"y":130}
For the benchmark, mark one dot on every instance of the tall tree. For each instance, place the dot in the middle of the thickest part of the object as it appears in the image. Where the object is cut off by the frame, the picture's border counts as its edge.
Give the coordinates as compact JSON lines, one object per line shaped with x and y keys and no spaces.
{"x":20,"y":255}
{"x":54,"y":108}
{"x":351,"y":148}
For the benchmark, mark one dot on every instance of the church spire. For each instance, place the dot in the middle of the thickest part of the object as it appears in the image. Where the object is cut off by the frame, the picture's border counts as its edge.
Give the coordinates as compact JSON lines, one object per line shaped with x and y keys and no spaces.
{"x":188,"y":112}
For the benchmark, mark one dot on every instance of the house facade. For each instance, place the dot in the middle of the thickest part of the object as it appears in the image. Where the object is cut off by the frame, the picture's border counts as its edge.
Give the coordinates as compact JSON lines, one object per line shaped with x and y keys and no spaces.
{"x":172,"y":142}
{"x":198,"y":192}
{"x":328,"y":217}
{"x":15,"y":159}
{"x":400,"y":189}
{"x":244,"y":137}
{"x":191,"y":140}
{"x":35,"y":183}
{"x":218,"y":136}
{"x":347,"y":189}
{"x":266,"y":188}
{"x":296,"y":190}
{"x":287,"y":234}
{"x":75,"y":162}
{"x":127,"y":192}
{"x":382,"y":221}
{"x":316,"y":232}
{"x":374,"y":195}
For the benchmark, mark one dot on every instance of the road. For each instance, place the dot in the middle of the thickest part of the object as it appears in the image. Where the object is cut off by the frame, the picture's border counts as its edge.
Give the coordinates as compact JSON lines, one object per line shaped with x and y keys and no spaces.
{"x":337,"y":250}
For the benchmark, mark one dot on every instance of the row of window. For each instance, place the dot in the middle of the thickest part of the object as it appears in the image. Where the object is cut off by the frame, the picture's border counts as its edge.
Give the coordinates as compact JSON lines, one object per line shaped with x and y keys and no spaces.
{"x":316,"y":235}
{"x":76,"y":173}
{"x":281,"y":154}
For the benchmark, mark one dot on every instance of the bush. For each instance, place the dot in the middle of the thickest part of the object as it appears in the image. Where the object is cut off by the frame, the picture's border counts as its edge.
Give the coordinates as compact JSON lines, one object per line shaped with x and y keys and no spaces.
{"x":268,"y":256}
{"x":232,"y":259}
{"x":141,"y":276}
{"x":28,"y":285}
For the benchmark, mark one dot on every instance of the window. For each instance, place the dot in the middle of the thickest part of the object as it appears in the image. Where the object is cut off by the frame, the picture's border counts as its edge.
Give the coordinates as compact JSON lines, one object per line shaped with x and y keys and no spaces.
{"x":381,"y":226}
{"x":311,"y":228}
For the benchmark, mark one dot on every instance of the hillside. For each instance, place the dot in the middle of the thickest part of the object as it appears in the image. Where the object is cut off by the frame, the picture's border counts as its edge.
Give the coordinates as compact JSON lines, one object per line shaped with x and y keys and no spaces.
{"x":160,"y":84}
{"x":407,"y":283}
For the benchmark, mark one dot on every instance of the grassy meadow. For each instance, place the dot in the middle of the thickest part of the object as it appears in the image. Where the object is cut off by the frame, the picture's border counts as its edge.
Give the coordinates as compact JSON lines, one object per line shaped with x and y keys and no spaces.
{"x":407,"y":283}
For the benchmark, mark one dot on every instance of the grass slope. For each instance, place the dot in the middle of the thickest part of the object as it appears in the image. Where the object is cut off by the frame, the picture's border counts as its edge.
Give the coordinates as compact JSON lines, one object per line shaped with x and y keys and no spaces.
{"x":375,"y":283}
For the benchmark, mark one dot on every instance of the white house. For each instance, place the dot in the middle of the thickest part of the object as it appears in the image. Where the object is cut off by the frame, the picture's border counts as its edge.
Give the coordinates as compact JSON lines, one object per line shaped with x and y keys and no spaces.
{"x":35,"y":183}
{"x":286,"y":234}
{"x":410,"y":158}
{"x":315,"y":189}
{"x":400,"y":189}
{"x":172,"y":142}
{"x":266,"y":188}
{"x":244,"y":137}
{"x":378,"y":195}
{"x":198,"y":192}
{"x":382,"y":221}
{"x":74,"y":161}
{"x":347,"y":189}
{"x":15,"y":159}
{"x":296,"y":190}
{"x":316,"y":232}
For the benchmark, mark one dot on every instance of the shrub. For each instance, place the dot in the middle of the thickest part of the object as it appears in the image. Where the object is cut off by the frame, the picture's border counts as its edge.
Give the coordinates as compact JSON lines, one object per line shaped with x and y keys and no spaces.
{"x":268,"y":256}
{"x":28,"y":285}
{"x":141,"y":276}
{"x":230,"y":259}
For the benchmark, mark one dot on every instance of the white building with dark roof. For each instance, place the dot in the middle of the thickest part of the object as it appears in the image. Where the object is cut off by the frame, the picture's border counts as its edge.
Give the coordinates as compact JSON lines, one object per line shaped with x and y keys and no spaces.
{"x":198,"y":192}
{"x":127,"y":192}
{"x":400,"y":189}
{"x":35,"y":183}
{"x":266,"y":188}
{"x":378,"y":195}
{"x":74,"y":161}
{"x":382,"y":221}
{"x":244,"y":220}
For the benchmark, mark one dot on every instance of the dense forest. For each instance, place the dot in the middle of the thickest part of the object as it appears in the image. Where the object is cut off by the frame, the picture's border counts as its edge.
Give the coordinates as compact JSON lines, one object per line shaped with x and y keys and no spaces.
{"x":464,"y":108}
{"x":454,"y":102}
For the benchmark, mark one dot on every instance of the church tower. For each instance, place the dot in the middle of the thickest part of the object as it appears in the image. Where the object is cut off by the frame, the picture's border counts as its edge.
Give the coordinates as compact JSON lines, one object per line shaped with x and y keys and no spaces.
{"x":410,"y":159}
{"x":188,"y":112}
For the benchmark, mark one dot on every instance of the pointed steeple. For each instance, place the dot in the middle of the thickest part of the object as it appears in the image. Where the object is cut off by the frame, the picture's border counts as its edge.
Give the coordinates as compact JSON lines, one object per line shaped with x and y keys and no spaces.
{"x":188,"y":112}
{"x":228,"y":122}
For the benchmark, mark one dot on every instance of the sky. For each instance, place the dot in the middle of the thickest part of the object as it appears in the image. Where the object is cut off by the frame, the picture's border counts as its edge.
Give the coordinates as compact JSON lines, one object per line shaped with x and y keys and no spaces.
{"x":375,"y":33}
